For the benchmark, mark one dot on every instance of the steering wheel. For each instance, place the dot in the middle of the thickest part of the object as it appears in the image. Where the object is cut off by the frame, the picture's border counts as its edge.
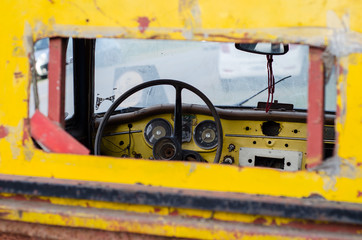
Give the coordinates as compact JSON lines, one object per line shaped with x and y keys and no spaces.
{"x":171,"y":145}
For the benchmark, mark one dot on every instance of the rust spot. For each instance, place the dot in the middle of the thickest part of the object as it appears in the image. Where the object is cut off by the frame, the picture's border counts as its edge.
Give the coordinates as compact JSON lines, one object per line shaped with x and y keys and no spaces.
{"x":196,"y":217}
{"x":159,"y":36}
{"x":234,"y":39}
{"x":328,"y":227}
{"x":4,"y":214}
{"x":157,"y":209}
{"x":3,"y":131}
{"x":341,"y":69}
{"x":51,"y":1}
{"x":338,"y":112}
{"x":19,"y":197}
{"x":37,"y":199}
{"x":117,"y":227}
{"x":18,"y":75}
{"x":26,"y":130}
{"x":143,"y":23}
{"x":14,"y":197}
{"x":238,"y":235}
{"x":174,"y":213}
{"x":359,"y":194}
{"x":260,"y":221}
{"x":359,"y":164}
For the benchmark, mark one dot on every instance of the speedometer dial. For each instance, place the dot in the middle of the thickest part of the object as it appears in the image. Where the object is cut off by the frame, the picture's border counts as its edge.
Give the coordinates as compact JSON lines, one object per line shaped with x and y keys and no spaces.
{"x":205,"y":134}
{"x":156,"y":129}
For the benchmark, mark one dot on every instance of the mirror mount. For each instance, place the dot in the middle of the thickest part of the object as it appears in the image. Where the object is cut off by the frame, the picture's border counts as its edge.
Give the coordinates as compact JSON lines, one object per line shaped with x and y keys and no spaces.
{"x":263,"y":48}
{"x":268,"y":49}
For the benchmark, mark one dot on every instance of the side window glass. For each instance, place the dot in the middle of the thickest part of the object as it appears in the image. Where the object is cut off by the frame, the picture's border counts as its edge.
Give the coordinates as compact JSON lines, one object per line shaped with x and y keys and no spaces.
{"x":41,"y":57}
{"x":69,"y":81}
{"x":331,"y":92}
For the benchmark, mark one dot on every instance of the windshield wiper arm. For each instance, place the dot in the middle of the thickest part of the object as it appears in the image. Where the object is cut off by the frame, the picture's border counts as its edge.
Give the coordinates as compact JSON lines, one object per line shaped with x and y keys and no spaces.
{"x":256,"y":94}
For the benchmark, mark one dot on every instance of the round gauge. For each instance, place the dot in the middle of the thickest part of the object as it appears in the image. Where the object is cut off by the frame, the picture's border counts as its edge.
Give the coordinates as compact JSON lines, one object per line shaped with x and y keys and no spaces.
{"x":205,"y":134}
{"x":156,"y":129}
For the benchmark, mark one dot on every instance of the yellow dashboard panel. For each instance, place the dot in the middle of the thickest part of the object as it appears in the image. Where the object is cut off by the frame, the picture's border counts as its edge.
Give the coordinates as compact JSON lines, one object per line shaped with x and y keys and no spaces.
{"x":246,"y":142}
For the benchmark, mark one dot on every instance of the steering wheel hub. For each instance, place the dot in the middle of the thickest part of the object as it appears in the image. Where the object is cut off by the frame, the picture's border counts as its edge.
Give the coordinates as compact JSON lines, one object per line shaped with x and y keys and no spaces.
{"x":167,"y":148}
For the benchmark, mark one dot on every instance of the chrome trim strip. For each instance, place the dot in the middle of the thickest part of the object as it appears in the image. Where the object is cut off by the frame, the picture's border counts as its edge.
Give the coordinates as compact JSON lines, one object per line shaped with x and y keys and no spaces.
{"x":272,"y":137}
{"x":275,"y":137}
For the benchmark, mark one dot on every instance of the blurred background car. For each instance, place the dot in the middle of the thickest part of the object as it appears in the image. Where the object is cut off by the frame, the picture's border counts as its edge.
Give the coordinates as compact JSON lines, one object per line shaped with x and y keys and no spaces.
{"x":235,"y":66}
{"x":41,"y":54}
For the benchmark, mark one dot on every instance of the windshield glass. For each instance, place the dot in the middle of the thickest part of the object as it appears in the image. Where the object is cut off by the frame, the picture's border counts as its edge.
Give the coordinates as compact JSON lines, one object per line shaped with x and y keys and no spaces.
{"x":226,"y":75}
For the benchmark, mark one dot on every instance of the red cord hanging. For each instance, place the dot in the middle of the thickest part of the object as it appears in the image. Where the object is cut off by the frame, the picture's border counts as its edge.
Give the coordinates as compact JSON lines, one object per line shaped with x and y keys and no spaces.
{"x":271,"y":82}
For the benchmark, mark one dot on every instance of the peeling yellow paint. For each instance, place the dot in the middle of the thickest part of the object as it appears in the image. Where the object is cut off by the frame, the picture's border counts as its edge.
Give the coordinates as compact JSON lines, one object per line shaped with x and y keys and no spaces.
{"x":158,"y":210}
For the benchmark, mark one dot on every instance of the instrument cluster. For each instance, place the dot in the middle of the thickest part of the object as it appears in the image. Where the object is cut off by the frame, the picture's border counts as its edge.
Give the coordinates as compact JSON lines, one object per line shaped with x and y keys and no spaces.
{"x":204,"y":133}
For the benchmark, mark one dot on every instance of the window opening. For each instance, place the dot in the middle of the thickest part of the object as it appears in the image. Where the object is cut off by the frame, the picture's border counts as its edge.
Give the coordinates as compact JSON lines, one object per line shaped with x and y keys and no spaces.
{"x":41,"y":56}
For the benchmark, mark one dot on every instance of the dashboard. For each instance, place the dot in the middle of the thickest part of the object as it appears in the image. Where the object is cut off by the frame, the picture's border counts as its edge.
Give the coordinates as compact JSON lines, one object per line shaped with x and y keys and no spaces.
{"x":251,"y":137}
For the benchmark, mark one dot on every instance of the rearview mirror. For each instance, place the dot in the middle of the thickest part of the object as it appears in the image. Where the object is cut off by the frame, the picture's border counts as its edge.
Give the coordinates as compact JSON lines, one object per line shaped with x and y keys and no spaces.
{"x":264,"y":48}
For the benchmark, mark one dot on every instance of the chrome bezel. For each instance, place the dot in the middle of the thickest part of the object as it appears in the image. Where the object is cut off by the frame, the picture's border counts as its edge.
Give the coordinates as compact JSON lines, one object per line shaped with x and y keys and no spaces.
{"x":200,"y":144}
{"x":152,"y":122}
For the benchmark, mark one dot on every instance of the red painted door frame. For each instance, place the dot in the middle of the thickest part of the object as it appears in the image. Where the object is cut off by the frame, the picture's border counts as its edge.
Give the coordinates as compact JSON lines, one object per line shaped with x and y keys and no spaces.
{"x":56,"y":76}
{"x":315,"y":119}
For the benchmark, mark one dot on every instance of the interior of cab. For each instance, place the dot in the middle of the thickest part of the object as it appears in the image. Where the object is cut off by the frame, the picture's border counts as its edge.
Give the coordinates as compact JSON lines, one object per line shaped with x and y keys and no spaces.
{"x":209,"y":102}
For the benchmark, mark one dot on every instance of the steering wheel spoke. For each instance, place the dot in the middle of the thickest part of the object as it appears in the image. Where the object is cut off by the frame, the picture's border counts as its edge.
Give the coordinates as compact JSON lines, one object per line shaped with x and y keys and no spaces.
{"x":177,"y":132}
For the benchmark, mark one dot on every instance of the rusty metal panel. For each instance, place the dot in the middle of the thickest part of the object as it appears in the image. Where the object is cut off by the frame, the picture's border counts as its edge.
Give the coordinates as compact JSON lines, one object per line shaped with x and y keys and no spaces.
{"x":16,"y":230}
{"x":313,"y":208}
{"x":150,"y":224}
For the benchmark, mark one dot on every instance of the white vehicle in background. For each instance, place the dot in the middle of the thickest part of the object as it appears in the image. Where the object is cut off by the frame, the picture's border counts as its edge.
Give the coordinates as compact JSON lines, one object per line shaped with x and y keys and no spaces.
{"x":235,"y":65}
{"x":41,"y":54}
